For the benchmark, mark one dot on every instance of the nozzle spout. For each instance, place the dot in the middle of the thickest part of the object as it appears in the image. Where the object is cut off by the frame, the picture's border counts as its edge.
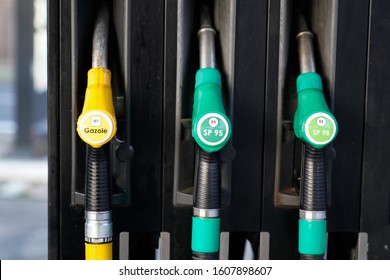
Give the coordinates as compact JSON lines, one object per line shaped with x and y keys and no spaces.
{"x":100,"y":37}
{"x":305,"y":44}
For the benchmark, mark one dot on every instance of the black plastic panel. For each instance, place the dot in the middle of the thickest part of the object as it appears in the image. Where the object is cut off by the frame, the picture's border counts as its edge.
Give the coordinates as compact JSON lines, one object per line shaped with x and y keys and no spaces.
{"x":375,"y":215}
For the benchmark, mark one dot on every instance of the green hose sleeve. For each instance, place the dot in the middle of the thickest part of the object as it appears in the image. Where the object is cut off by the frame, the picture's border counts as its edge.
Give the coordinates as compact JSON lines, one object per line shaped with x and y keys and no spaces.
{"x":205,"y":235}
{"x":312,"y":237}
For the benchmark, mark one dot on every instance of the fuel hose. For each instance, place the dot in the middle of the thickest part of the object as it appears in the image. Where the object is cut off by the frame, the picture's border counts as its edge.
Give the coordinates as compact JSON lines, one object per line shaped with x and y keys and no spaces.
{"x":315,"y":125}
{"x":211,"y":130}
{"x":96,"y":126}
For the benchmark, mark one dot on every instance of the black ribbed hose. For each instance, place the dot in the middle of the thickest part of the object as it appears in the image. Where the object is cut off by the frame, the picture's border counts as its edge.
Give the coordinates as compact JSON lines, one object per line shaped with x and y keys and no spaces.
{"x":205,"y":256}
{"x":207,"y":180}
{"x":98,"y":192}
{"x":312,"y":257}
{"x":313,"y":187}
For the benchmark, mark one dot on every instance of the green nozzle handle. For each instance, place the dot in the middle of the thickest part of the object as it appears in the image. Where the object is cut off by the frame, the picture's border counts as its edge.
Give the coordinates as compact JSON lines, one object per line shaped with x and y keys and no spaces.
{"x":211,"y":127}
{"x":313,"y":121}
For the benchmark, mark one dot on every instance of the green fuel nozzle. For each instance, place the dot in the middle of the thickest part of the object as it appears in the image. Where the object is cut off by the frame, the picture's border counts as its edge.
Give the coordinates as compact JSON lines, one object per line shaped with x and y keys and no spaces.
{"x":313,"y":122}
{"x":315,"y":125}
{"x":211,"y":127}
{"x":211,"y":130}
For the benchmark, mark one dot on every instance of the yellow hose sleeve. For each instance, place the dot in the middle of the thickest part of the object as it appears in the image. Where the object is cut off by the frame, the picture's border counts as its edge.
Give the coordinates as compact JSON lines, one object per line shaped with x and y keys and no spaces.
{"x":98,"y":251}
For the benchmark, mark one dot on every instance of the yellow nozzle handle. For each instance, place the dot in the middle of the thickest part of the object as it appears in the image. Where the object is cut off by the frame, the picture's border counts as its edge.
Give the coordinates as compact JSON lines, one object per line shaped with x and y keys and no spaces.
{"x":97,"y":124}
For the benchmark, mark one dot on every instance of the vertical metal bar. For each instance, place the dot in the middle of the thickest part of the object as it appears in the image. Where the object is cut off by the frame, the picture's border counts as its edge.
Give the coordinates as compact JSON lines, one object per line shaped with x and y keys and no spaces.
{"x":24,"y":80}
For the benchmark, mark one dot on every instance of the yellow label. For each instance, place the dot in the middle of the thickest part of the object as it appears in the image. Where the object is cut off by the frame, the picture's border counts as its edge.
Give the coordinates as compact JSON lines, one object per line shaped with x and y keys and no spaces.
{"x":95,"y":128}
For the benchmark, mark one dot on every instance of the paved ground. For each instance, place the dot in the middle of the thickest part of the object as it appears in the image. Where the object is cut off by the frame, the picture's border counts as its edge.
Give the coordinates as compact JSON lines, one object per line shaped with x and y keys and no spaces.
{"x":23,"y":209}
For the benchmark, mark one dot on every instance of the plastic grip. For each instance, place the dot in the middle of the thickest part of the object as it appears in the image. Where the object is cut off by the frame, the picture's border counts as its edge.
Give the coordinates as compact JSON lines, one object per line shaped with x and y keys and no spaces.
{"x":211,"y":127}
{"x":313,"y":121}
{"x":97,"y":123}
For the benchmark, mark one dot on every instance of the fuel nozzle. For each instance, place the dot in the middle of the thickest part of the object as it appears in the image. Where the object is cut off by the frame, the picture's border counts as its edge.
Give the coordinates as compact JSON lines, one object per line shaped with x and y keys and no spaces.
{"x":315,"y":125}
{"x":313,"y":121}
{"x":211,"y":130}
{"x":96,"y":126}
{"x":211,"y":127}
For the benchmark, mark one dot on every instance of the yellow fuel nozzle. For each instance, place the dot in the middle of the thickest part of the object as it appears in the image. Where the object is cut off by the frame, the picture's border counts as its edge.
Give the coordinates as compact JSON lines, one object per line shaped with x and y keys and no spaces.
{"x":97,"y":124}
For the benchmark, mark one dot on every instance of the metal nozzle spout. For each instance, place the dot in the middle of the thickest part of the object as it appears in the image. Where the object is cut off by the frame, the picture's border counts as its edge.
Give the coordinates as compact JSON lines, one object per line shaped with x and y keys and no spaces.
{"x":100,"y":37}
{"x":305,"y":43}
{"x":306,"y":52}
{"x":206,"y":37}
{"x":207,"y":47}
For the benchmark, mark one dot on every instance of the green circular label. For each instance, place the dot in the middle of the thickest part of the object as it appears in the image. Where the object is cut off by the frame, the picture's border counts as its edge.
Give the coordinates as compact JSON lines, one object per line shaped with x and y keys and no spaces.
{"x":320,"y":128}
{"x":212,"y":129}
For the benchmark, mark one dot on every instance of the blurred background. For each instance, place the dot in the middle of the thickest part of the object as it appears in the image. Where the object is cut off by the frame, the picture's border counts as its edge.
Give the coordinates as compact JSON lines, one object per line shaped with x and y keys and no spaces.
{"x":23,"y":129}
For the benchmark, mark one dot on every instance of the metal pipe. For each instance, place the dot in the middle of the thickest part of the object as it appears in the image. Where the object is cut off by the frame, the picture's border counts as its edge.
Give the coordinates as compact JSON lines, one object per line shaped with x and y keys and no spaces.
{"x":305,"y":43}
{"x":207,"y":47}
{"x":100,"y":37}
{"x":206,"y":36}
{"x":306,"y":52}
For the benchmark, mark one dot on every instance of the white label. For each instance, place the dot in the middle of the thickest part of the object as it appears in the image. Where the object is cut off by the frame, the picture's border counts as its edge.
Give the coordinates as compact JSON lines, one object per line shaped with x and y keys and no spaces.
{"x":96,"y":121}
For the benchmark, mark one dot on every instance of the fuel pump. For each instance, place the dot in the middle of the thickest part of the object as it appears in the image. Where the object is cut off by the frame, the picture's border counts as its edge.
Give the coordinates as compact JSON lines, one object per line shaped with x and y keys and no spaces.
{"x":315,"y":125}
{"x":96,"y":126}
{"x":211,"y":130}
